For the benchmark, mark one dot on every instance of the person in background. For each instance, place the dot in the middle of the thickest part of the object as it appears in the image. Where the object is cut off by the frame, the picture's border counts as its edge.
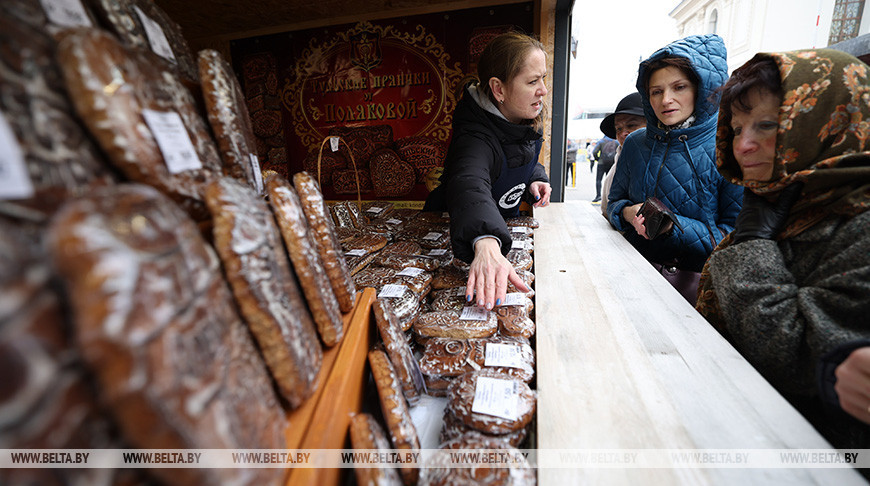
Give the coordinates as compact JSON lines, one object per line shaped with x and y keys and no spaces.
{"x":605,"y":154}
{"x":673,"y":161}
{"x":627,"y":118}
{"x":790,"y":286}
{"x":571,"y":159}
{"x":492,"y":162}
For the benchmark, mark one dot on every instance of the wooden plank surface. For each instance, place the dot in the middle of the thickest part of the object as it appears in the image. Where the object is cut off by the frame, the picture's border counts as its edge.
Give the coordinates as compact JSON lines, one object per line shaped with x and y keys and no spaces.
{"x":624,"y":362}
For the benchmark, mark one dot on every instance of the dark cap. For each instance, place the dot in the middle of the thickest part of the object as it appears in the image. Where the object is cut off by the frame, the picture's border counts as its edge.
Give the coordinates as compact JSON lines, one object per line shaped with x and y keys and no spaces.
{"x":630,"y":105}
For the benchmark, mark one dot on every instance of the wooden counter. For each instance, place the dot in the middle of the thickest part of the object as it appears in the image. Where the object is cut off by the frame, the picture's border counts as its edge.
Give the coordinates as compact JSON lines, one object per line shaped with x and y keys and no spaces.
{"x":623,"y":362}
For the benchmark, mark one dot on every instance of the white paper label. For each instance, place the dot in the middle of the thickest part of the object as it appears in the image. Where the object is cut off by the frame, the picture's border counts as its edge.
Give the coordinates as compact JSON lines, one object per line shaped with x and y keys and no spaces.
{"x":410,"y":272}
{"x":173,"y":140}
{"x":474,"y":313}
{"x":507,"y":355}
{"x":394,"y":221}
{"x":68,"y":13}
{"x":514,"y":298}
{"x":356,"y":252}
{"x":392,"y":291}
{"x":333,"y":144}
{"x":374,"y":209}
{"x":14,"y":180}
{"x":519,"y":229}
{"x":156,"y":37}
{"x":437,"y":252}
{"x":432,"y":236}
{"x":521,"y":244}
{"x":258,"y":174}
{"x":493,"y":396}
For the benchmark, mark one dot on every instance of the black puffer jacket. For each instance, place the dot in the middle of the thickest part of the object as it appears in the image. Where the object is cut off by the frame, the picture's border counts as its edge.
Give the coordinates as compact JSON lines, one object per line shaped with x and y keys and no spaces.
{"x":481,"y":141}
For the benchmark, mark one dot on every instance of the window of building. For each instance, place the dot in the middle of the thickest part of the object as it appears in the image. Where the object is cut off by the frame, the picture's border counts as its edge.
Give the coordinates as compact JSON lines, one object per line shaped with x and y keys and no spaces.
{"x":846,"y":20}
{"x":711,"y":23}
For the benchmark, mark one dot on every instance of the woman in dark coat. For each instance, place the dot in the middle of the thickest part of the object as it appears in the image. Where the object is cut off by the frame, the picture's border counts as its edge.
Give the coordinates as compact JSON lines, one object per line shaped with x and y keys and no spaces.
{"x":492,"y":162}
{"x":790,"y":286}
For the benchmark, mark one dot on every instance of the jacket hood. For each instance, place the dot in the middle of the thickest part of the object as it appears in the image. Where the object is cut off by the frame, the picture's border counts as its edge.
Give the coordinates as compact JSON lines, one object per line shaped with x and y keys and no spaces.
{"x":708,"y":57}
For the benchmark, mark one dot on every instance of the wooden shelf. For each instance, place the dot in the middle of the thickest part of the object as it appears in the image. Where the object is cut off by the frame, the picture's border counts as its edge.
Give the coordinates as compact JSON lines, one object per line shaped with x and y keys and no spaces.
{"x":322,"y":421}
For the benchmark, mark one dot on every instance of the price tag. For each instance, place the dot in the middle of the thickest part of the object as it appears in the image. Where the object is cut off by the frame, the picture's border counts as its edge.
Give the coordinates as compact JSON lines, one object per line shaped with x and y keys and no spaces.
{"x":520,"y":229}
{"x":357,"y":252}
{"x":493,"y":396}
{"x":392,"y":291}
{"x":156,"y":37}
{"x":374,"y":209}
{"x":173,"y":140}
{"x":521,"y":244}
{"x":507,"y":355}
{"x":14,"y":180}
{"x":333,"y":144}
{"x":258,"y":174}
{"x":67,"y":13}
{"x":432,"y":236}
{"x":411,"y":272}
{"x":394,"y":221}
{"x":473,"y":313}
{"x":437,"y":252}
{"x":514,"y":298}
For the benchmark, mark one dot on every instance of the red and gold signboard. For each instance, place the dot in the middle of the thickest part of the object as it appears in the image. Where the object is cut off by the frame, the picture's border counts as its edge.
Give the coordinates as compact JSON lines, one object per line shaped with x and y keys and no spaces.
{"x":387,"y":88}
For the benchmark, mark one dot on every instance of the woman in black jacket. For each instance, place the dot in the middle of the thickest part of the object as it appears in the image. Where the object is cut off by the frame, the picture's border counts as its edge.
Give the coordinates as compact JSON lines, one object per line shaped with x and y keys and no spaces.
{"x":492,"y":161}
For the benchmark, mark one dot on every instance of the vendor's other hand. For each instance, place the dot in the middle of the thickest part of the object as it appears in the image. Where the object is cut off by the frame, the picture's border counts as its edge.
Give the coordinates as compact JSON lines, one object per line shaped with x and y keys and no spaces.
{"x":489,"y":274}
{"x":630,"y":214}
{"x":853,"y":384}
{"x":541,"y":192}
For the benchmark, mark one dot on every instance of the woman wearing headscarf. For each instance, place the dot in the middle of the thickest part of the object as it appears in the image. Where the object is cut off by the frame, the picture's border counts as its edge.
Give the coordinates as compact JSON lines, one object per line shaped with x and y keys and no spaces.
{"x":790,"y":287}
{"x":673,"y":160}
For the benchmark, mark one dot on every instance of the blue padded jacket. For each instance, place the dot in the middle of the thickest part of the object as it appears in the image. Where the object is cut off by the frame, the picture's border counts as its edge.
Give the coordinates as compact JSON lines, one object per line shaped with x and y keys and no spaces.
{"x":683,"y":161}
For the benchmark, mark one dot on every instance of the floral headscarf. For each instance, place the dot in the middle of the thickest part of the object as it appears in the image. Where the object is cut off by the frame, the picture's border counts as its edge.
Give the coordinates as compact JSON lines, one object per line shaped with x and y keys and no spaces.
{"x":823,"y":140}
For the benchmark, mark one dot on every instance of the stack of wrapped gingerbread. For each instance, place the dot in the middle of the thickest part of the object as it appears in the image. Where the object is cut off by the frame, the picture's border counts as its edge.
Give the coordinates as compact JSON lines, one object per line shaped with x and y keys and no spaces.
{"x":157,"y":293}
{"x":433,"y":342}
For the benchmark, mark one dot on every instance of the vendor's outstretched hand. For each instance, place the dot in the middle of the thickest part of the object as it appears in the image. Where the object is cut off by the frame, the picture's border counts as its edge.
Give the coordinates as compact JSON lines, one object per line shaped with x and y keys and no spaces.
{"x":489,"y":274}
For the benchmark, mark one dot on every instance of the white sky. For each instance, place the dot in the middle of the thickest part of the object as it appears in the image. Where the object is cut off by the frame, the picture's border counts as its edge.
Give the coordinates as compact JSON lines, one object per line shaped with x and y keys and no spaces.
{"x":614,"y":36}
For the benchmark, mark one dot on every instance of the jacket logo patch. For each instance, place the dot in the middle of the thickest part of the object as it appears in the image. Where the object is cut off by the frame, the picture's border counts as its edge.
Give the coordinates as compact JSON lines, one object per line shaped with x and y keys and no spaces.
{"x":512,"y":197}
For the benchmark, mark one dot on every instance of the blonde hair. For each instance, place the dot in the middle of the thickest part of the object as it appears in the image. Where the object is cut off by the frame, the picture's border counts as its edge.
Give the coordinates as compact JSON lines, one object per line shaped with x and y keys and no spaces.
{"x":503,"y":58}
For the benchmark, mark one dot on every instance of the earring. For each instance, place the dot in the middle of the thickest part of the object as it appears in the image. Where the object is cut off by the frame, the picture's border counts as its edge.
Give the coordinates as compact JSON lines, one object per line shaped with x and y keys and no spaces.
{"x":501,"y":101}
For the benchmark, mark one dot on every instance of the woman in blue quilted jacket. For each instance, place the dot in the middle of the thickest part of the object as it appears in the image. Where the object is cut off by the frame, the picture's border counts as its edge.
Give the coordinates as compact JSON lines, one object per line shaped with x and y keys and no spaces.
{"x":673,"y":159}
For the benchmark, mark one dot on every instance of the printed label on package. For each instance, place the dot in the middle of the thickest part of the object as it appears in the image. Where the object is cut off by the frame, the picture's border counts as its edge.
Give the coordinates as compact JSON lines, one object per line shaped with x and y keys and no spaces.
{"x":514,"y":298}
{"x":14,"y":180}
{"x":173,"y":140}
{"x":394,"y":221}
{"x":68,"y":13}
{"x":432,"y":236}
{"x":437,"y":252}
{"x":156,"y":37}
{"x":374,"y":209}
{"x":258,"y":174}
{"x":507,"y":355}
{"x":521,"y":244}
{"x":520,"y":230}
{"x":410,"y":271}
{"x":474,"y":313}
{"x":392,"y":291}
{"x":497,"y":397}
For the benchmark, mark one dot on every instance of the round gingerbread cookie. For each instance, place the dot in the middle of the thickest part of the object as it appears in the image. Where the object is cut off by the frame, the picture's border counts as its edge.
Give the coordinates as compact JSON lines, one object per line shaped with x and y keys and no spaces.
{"x":323,"y":229}
{"x":228,"y":117}
{"x":440,"y":469}
{"x":249,"y":244}
{"x":156,"y":324}
{"x":518,"y":402}
{"x":306,"y":261}
{"x":141,"y":115}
